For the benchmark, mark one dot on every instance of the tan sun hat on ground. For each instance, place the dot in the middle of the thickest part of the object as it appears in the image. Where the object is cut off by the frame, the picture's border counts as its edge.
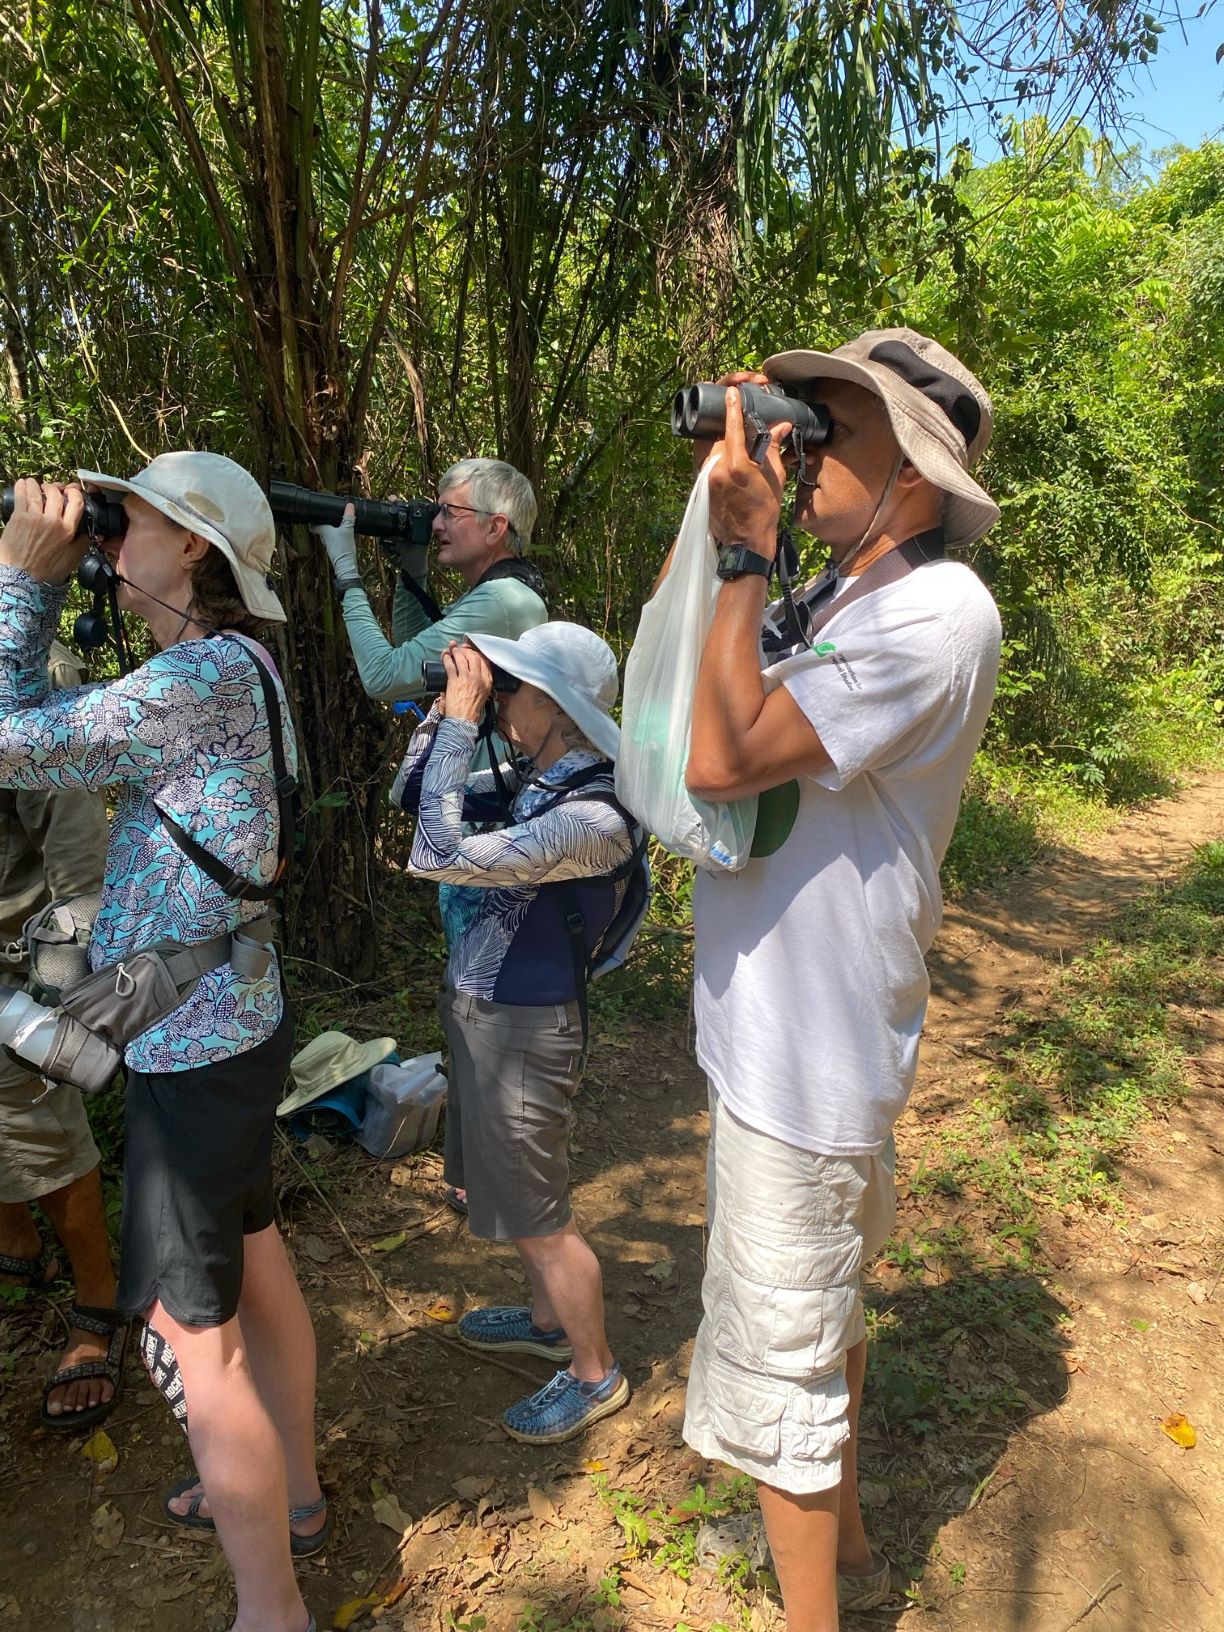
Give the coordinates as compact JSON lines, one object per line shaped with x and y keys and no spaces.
{"x":331,"y":1058}
{"x":940,"y":413}
{"x":214,"y":497}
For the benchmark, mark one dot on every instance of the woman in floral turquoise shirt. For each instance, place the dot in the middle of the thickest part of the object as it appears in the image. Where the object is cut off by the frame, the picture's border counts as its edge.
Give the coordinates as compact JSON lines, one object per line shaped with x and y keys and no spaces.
{"x":226,"y":1334}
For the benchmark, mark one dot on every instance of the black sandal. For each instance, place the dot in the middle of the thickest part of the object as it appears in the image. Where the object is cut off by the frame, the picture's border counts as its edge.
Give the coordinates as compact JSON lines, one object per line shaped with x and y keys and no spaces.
{"x":456,"y":1202}
{"x":35,"y":1272}
{"x":193,"y":1519}
{"x":102,"y":1323}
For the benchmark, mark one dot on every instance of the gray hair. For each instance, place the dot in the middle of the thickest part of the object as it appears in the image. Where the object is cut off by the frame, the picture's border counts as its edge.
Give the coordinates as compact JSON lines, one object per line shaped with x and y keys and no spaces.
{"x":499,"y":489}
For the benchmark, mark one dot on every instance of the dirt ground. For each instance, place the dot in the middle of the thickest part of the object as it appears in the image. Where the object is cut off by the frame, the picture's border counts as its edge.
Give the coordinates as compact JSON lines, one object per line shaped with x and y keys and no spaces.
{"x":1066,"y":1507}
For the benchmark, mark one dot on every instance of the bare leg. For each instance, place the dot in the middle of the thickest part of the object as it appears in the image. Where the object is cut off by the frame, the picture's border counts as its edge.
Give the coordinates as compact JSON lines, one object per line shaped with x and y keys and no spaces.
{"x":79,"y":1220}
{"x":802,"y":1533}
{"x":280,"y":1348}
{"x":567,"y":1288}
{"x":853,"y":1547}
{"x":238,"y":1453}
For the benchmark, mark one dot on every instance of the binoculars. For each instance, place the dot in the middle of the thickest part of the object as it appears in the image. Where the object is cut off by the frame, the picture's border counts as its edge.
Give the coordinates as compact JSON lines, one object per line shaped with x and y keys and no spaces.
{"x":434,"y":678}
{"x":701,"y":411}
{"x":102,"y":517}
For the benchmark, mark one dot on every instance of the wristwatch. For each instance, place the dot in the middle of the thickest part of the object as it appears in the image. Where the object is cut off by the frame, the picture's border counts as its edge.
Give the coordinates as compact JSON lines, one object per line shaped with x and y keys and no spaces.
{"x":343,"y":585}
{"x":738,"y":561}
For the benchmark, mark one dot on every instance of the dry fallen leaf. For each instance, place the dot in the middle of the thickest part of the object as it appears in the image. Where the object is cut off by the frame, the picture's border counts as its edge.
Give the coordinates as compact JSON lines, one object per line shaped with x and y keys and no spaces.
{"x":106,"y":1524}
{"x":592,"y":1464}
{"x":1180,"y":1431}
{"x":662,"y":1270}
{"x":388,"y":1511}
{"x":321,"y":1251}
{"x":541,"y":1506}
{"x":444,"y":1311}
{"x":100,"y":1449}
{"x":470,"y":1488}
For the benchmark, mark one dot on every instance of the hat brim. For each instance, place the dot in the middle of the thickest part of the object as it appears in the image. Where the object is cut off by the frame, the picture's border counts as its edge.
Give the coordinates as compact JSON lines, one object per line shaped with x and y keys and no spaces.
{"x":596,"y":726}
{"x":970,"y":511}
{"x":252,"y":586}
{"x":367,"y":1056}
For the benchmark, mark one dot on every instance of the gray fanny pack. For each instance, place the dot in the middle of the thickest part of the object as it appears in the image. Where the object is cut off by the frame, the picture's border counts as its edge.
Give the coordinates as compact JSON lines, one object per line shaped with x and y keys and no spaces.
{"x":71,"y":1024}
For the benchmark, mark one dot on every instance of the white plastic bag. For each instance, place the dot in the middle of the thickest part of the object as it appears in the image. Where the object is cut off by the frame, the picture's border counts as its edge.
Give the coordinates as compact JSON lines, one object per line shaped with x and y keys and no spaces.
{"x":657,"y":717}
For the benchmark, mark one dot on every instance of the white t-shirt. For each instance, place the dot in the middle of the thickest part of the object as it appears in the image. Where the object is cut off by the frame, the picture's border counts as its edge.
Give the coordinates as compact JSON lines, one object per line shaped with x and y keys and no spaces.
{"x":811,"y":984}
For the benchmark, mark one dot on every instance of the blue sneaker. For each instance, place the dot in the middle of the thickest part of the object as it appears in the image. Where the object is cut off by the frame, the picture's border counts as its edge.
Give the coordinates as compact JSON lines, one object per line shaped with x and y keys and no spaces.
{"x":565,"y":1407}
{"x":512,"y":1331}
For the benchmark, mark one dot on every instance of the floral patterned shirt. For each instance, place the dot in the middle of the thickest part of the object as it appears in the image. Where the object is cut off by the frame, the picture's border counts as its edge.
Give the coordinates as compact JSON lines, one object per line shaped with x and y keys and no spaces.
{"x":186,"y":734}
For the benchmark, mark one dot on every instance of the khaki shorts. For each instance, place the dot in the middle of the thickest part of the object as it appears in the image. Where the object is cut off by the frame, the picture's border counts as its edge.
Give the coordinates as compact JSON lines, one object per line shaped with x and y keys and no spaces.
{"x":43,"y":1146}
{"x":790,"y":1231}
{"x":512,"y":1072}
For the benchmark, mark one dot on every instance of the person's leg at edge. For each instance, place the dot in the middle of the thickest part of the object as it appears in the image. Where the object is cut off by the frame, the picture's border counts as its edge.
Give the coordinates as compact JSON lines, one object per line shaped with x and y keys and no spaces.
{"x":79,"y":1220}
{"x":567,"y":1291}
{"x":853,"y":1548}
{"x":280,"y":1343}
{"x":240,"y":1460}
{"x":802,"y":1531}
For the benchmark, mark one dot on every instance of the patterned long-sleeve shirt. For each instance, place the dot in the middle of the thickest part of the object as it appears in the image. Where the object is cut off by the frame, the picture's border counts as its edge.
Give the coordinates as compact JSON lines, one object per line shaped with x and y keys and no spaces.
{"x":186,"y":734}
{"x":508,"y":937}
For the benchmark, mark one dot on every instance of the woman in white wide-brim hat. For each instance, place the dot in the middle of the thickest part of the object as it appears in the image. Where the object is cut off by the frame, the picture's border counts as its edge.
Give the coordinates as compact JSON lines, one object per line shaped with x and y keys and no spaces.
{"x":513,"y":1007}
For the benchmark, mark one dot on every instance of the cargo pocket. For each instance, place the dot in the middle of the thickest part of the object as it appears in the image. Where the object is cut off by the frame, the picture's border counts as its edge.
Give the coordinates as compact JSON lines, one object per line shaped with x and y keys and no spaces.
{"x":776,"y":1313}
{"x":744,"y":1415}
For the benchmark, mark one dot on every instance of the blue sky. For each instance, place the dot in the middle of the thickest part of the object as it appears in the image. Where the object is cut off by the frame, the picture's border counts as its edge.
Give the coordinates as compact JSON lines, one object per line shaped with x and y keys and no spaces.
{"x":1177,"y":97}
{"x":1174,"y":98}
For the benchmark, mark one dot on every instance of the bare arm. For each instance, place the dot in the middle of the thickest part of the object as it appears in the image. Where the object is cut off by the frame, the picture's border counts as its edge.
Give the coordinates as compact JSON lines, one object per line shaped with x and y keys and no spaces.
{"x":742,"y":740}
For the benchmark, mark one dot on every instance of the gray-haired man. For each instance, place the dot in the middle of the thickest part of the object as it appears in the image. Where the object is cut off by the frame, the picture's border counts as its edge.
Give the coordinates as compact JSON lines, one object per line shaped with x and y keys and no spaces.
{"x":862,"y":706}
{"x":483,"y":528}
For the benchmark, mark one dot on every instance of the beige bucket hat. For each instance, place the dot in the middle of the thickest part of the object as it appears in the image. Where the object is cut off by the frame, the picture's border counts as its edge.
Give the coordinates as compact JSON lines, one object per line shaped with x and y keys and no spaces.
{"x":331,"y":1058}
{"x":940,"y":413}
{"x":214,"y":497}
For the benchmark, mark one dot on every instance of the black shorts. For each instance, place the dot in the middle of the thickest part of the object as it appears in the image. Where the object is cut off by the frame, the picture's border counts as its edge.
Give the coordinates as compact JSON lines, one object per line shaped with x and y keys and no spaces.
{"x":197,"y":1177}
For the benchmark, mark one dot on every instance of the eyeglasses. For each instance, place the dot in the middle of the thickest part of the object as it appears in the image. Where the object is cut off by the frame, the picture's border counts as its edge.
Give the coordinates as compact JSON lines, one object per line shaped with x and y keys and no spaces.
{"x":450,"y":511}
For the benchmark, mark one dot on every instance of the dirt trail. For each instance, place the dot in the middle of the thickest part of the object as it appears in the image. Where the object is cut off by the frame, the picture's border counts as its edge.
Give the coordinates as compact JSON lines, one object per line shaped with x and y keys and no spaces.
{"x":1021,"y":1522}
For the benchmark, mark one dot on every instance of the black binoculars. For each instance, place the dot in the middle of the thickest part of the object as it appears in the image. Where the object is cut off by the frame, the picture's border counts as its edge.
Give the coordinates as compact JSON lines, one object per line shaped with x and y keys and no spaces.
{"x":701,"y":411}
{"x":102,"y":517}
{"x":434,"y":678}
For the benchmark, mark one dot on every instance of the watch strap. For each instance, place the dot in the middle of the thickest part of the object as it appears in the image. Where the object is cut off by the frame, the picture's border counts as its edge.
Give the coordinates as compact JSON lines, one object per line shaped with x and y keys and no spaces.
{"x":343,"y":585}
{"x":740,"y":561}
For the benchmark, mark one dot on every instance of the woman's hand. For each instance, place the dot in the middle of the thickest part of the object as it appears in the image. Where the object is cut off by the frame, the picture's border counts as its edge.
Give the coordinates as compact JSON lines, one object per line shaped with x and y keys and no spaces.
{"x":469,"y":683}
{"x":41,"y":535}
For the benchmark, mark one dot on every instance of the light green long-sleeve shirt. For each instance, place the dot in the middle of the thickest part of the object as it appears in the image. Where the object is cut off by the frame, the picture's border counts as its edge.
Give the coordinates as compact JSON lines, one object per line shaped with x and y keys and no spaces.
{"x":390,"y":673}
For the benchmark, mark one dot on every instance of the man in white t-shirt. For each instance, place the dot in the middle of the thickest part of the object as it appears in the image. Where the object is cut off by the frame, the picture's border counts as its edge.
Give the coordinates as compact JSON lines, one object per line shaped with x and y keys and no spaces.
{"x":810,"y":977}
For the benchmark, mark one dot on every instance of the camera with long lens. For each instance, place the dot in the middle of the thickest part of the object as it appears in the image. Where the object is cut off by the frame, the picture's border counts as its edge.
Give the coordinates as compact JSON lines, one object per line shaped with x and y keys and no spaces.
{"x":435,"y":678}
{"x":101,"y":518}
{"x":397,"y":524}
{"x":701,"y":411}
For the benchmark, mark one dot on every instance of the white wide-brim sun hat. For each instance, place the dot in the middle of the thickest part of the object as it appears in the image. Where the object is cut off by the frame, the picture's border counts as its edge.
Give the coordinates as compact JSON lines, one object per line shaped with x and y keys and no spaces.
{"x":940,"y":413}
{"x":573,"y":665}
{"x":214,"y":497}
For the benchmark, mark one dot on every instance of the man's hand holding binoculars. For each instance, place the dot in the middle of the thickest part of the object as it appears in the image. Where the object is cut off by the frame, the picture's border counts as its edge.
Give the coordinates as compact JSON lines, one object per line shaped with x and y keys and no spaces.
{"x":43,"y":536}
{"x":746,"y":495}
{"x":469,"y":684}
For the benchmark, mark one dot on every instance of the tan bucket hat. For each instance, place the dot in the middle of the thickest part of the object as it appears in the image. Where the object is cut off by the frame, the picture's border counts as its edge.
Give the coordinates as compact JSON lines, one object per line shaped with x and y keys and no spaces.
{"x":214,"y":497}
{"x":940,"y":413}
{"x":331,"y":1058}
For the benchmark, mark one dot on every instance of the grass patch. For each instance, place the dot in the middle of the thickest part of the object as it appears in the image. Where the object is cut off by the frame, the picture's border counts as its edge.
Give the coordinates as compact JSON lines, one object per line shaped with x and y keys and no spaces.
{"x":1074,"y":1082}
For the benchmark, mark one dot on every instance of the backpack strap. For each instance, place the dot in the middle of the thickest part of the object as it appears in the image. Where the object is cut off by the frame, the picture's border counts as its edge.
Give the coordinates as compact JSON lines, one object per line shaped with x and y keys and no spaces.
{"x":234,"y":885}
{"x":575,"y":788}
{"x":787,"y":628}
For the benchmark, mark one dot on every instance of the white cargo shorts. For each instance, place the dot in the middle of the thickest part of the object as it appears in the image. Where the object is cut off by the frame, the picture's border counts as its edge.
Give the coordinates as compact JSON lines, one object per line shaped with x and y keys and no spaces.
{"x":790,"y":1231}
